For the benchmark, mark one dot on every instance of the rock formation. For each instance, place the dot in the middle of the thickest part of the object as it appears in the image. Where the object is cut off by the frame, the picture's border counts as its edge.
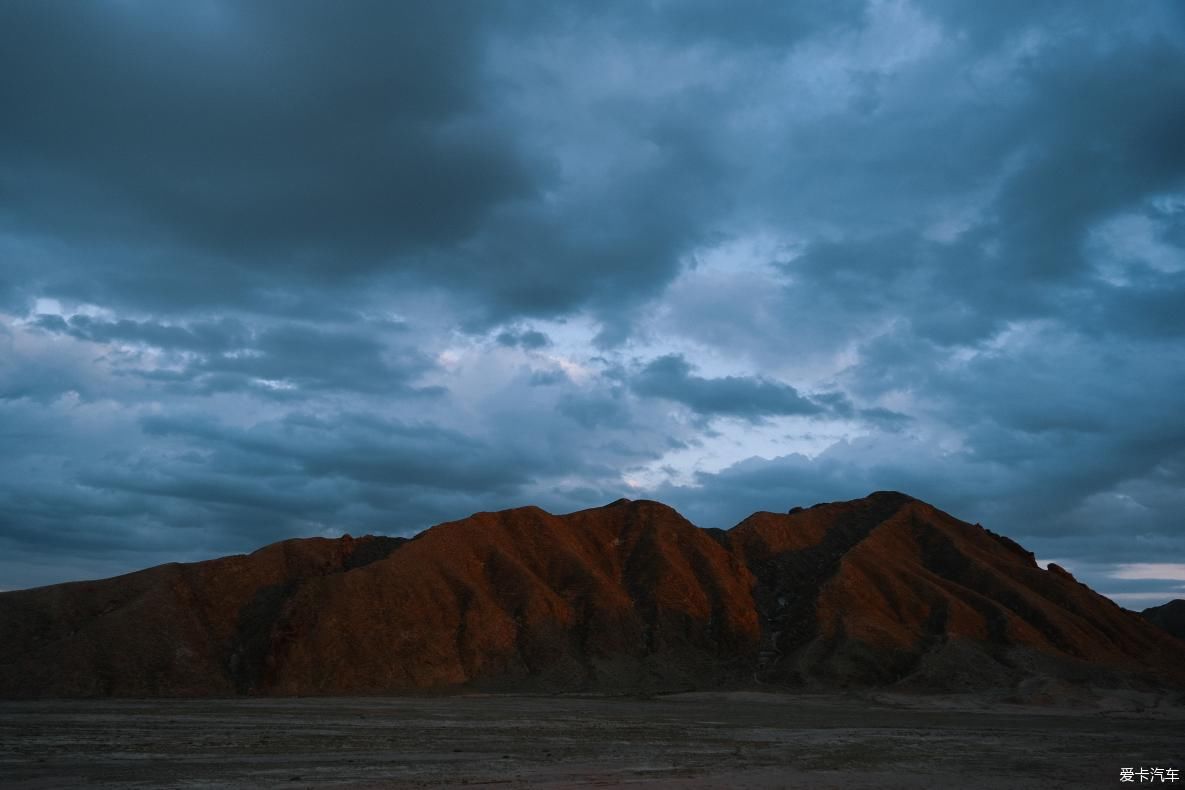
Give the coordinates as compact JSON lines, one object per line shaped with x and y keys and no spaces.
{"x":1169,"y":616}
{"x":630,"y":597}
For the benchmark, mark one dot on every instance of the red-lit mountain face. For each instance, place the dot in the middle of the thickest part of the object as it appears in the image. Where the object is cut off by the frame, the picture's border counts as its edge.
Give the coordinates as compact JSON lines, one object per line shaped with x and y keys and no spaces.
{"x":630,"y":597}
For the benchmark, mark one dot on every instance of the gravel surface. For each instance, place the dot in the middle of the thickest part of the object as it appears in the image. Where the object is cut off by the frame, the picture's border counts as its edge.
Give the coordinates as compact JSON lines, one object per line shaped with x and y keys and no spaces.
{"x":734,"y":740}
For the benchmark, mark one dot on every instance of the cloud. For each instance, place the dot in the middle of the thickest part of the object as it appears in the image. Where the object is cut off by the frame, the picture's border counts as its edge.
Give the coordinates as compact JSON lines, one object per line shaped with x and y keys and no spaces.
{"x":530,"y":339}
{"x":1160,"y":571}
{"x":750,"y":398}
{"x":207,"y":336}
{"x":239,"y":143}
{"x":357,"y":447}
{"x":274,"y":358}
{"x":316,"y":358}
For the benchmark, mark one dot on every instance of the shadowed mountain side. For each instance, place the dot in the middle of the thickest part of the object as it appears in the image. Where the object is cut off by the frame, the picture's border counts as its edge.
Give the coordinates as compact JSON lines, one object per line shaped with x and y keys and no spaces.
{"x":1169,"y":616}
{"x":176,"y":629}
{"x":627,"y":597}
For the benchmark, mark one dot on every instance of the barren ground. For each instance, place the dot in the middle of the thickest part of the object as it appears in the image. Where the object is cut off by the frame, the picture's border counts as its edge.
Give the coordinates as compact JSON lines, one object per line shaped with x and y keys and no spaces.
{"x":734,"y":740}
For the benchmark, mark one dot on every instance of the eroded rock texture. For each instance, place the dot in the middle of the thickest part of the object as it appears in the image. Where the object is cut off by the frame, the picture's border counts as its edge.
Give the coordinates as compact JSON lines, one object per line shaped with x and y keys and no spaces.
{"x":630,"y":597}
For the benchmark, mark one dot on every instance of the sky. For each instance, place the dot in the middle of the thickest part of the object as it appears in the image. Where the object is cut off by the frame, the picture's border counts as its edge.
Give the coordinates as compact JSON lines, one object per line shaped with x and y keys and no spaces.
{"x":272,"y":270}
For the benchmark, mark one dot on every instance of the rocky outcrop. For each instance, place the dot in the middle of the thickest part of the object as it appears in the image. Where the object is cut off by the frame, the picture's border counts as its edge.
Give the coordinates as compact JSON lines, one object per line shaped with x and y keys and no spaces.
{"x":629,"y":597}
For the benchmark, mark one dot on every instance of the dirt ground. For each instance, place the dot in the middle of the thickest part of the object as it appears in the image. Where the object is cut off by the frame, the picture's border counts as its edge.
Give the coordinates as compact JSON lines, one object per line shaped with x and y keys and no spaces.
{"x":733,"y":740}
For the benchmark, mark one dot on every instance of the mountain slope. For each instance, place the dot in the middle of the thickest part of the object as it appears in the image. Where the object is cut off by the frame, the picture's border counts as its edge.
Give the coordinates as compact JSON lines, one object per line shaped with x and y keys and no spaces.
{"x":1169,"y":616}
{"x":189,"y":629}
{"x":890,"y":589}
{"x":626,"y":597}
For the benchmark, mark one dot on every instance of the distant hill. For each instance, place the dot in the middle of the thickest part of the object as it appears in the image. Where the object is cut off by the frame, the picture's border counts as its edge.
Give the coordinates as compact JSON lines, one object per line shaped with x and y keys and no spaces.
{"x":1170,"y":617}
{"x":630,"y":597}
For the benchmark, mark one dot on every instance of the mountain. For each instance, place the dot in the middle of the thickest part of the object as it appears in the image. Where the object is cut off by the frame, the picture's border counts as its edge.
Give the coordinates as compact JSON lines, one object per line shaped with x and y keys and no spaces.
{"x":1169,"y":616}
{"x":630,"y":597}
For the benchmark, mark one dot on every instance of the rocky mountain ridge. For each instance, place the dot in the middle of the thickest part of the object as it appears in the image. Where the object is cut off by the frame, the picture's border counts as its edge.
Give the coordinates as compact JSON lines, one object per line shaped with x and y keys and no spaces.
{"x":629,"y":597}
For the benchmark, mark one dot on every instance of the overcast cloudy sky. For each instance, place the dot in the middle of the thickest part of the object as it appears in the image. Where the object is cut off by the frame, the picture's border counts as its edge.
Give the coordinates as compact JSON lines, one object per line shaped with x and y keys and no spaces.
{"x":284,"y":269}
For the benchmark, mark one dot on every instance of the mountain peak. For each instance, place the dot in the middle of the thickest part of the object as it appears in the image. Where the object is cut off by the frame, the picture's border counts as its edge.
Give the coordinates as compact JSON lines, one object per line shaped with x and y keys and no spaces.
{"x":895,"y":496}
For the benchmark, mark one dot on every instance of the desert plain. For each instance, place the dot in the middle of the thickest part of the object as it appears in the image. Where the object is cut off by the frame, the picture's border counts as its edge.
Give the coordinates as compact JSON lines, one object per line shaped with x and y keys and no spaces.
{"x":712,"y":739}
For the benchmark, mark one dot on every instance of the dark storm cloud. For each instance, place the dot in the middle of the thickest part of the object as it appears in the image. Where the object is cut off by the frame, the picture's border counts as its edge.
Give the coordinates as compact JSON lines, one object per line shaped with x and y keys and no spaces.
{"x":227,"y":155}
{"x":242,"y":128}
{"x":361,"y":448}
{"x":840,"y":405}
{"x":1111,"y":142}
{"x":1090,"y":133}
{"x":314,"y":358}
{"x":607,"y":246}
{"x":596,"y":411}
{"x":243,"y":143}
{"x":319,"y":147}
{"x":42,"y":378}
{"x":531,"y":339}
{"x":750,"y":398}
{"x":1149,"y":309}
{"x":740,"y":25}
{"x":281,"y":360}
{"x":206,"y":336}
{"x":547,"y":378}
